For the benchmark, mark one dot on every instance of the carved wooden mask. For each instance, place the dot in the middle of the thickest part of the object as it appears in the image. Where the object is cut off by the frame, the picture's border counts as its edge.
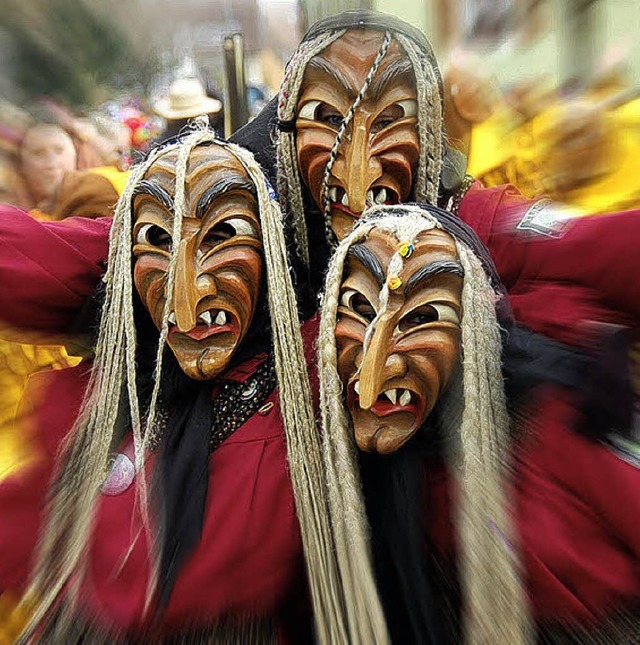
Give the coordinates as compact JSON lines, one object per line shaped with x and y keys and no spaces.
{"x":219,"y":263}
{"x":378,"y":158}
{"x":393,"y":384}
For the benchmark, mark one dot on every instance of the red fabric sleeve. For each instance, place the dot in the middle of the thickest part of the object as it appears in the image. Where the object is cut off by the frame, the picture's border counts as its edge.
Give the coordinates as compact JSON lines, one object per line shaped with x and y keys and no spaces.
{"x":47,"y":269}
{"x":577,"y":510}
{"x":598,"y":252}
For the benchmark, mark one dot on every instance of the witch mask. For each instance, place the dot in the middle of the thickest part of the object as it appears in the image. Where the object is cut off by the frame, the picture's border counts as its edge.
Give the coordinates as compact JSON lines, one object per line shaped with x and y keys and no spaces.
{"x":218,"y":267}
{"x":378,"y":157}
{"x":397,"y":332}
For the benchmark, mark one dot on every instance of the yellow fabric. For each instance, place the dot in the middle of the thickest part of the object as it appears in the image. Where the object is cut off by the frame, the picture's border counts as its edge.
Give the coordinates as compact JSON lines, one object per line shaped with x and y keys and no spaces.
{"x":17,"y":362}
{"x":14,"y":616}
{"x":117,"y":177}
{"x":503,"y":151}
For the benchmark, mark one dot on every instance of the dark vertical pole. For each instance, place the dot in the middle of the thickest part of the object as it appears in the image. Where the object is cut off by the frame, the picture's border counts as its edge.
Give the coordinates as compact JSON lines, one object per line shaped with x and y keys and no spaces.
{"x":237,"y":109}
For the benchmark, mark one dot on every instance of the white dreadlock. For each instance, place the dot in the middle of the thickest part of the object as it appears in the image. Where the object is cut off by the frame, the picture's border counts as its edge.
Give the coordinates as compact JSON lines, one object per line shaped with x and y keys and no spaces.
{"x":112,"y":391}
{"x":495,"y":606}
{"x":430,"y":129}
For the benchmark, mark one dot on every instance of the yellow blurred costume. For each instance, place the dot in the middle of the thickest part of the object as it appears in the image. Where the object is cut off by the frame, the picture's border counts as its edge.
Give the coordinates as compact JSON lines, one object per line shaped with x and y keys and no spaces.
{"x":89,"y":193}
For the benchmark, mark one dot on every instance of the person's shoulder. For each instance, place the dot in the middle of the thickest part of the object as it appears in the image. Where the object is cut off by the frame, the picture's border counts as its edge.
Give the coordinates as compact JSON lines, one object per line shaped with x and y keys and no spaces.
{"x":483,"y":208}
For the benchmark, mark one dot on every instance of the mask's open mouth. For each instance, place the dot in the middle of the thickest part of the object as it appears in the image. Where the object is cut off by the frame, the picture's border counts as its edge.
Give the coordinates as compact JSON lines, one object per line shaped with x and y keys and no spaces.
{"x":209,"y":323}
{"x":376,"y":195}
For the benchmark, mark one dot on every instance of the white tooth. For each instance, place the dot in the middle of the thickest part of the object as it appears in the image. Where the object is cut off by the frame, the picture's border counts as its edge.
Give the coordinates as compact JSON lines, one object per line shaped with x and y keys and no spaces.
{"x":199,"y":255}
{"x":205,"y":316}
{"x":382,"y":196}
{"x":172,"y":318}
{"x":221,"y":318}
{"x":392,"y":395}
{"x":333,"y":194}
{"x":345,"y":200}
{"x":356,"y":387}
{"x":370,"y":197}
{"x":405,"y":398}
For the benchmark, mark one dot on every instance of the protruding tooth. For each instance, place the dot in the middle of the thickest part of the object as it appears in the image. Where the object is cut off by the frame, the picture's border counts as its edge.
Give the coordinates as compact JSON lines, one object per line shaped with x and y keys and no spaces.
{"x":381,"y":197}
{"x":392,"y":395}
{"x":405,"y":398}
{"x":356,"y":387}
{"x":345,"y":200}
{"x":221,"y":318}
{"x":369,"y":197}
{"x":333,"y":194}
{"x":205,"y":316}
{"x":172,"y":318}
{"x":199,"y":255}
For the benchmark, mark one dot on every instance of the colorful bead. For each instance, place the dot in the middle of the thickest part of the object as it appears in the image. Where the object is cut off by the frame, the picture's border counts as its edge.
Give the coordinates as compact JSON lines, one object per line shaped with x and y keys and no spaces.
{"x":394,"y":283}
{"x":406,"y":249}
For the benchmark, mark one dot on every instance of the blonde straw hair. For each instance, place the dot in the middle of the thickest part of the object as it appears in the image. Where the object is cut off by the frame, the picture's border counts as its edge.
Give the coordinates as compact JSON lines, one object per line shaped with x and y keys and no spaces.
{"x":493,"y":596}
{"x":111,"y":401}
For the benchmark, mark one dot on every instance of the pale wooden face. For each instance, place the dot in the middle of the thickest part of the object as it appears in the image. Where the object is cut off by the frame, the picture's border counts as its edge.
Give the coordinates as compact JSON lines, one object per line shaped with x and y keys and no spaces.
{"x":379,"y":156}
{"x":393,"y":385}
{"x":219,"y":270}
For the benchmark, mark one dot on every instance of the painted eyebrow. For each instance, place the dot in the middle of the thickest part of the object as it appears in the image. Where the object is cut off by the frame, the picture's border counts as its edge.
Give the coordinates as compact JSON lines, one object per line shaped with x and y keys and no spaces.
{"x":220,"y":188}
{"x":361,"y":253}
{"x":435,"y":268}
{"x":148,"y":187}
{"x":322,"y":64}
{"x":391,"y":73}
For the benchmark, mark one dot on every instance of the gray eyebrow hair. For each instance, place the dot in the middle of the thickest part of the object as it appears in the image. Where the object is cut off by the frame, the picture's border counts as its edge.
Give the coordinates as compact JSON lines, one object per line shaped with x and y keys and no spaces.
{"x":147,"y":187}
{"x":391,"y":73}
{"x":319,"y":62}
{"x":435,"y":268}
{"x":220,"y":188}
{"x":361,"y":253}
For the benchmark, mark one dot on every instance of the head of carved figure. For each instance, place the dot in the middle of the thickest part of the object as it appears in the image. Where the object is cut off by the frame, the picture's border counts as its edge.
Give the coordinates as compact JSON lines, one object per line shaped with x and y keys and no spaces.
{"x":218,"y":260}
{"x":379,"y":155}
{"x":367,"y":114}
{"x":409,"y":322}
{"x":397,"y":332}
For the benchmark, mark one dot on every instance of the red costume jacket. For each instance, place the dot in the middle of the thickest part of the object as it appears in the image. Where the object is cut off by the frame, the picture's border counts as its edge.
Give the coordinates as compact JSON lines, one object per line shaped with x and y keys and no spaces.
{"x":248,"y":563}
{"x":559,"y":272}
{"x":586,"y":560}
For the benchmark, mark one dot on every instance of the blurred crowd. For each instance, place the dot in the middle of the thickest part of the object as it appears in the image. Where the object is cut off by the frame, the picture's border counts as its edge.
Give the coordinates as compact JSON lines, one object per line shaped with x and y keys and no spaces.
{"x":577,"y":145}
{"x":56,"y":163}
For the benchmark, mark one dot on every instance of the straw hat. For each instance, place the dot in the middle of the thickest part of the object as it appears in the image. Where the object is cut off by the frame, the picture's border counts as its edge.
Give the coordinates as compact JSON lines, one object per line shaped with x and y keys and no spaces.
{"x":186,"y":99}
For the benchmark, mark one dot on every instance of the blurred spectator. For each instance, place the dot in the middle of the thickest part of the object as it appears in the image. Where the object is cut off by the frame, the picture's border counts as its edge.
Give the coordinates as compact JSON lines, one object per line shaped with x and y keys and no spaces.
{"x":85,"y":193}
{"x":186,"y":100}
{"x":46,"y":154}
{"x":471,"y":95}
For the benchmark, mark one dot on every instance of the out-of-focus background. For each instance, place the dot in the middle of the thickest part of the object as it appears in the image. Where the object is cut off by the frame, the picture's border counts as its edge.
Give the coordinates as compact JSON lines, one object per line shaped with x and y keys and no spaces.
{"x":117,"y":75}
{"x":540,"y":93}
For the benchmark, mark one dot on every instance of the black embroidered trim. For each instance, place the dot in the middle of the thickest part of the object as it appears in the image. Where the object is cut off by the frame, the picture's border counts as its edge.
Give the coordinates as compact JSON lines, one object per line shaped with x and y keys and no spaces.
{"x":235,"y":404}
{"x":238,"y":402}
{"x":456,"y":200}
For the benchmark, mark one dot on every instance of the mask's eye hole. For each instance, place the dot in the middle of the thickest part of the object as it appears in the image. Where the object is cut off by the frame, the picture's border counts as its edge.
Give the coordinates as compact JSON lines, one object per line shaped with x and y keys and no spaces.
{"x":426,"y":314}
{"x":358,"y":304}
{"x":393,"y":113}
{"x":153,"y":235}
{"x":322,"y":112}
{"x":226,"y":230}
{"x":242,"y":226}
{"x":409,"y":107}
{"x":308,"y":110}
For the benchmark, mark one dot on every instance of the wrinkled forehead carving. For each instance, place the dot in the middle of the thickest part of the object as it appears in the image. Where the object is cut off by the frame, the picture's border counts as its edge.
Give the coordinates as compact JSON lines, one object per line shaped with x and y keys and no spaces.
{"x":346,"y":63}
{"x":211,"y":173}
